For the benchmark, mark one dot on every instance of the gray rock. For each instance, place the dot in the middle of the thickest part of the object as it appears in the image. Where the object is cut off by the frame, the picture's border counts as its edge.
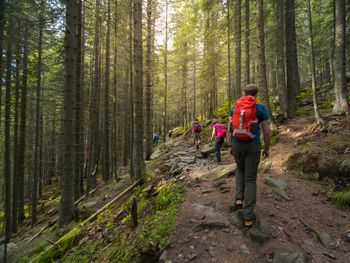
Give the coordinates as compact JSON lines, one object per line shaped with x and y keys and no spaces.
{"x":279,"y":187}
{"x":187,"y":160}
{"x":155,"y":154}
{"x":220,"y":172}
{"x":180,"y":153}
{"x":326,"y":240}
{"x":282,"y":255}
{"x":265,"y":166}
{"x":163,"y":257}
{"x":177,"y":168}
{"x":206,"y":150}
{"x":11,"y":249}
{"x":345,"y":168}
{"x":89,"y":204}
{"x":236,"y":219}
{"x":244,"y":249}
{"x":258,"y":236}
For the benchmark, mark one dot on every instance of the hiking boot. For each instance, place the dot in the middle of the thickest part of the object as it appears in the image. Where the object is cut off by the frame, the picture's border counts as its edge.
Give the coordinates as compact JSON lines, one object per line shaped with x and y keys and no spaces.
{"x":248,"y":223}
{"x":237,"y":206}
{"x":197,"y":146}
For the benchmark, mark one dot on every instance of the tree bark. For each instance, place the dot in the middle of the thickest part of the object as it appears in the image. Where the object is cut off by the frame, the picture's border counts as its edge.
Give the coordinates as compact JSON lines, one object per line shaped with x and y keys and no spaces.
{"x":318,"y":116}
{"x":341,"y":104}
{"x":165,"y":72}
{"x":2,"y":26}
{"x":149,"y":82}
{"x":281,"y":79}
{"x":106,"y":128}
{"x":22,"y":128}
{"x":34,"y":198}
{"x":237,"y":31}
{"x":262,"y":81}
{"x":138,"y":164}
{"x":247,"y":41}
{"x":292,"y":71}
{"x":67,"y":198}
{"x":7,"y":138}
{"x":229,"y":84}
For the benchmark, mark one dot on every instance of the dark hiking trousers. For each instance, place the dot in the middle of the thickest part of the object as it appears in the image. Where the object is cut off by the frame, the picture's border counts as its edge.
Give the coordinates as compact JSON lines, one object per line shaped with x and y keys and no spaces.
{"x":247,"y":157}
{"x":218,"y":143}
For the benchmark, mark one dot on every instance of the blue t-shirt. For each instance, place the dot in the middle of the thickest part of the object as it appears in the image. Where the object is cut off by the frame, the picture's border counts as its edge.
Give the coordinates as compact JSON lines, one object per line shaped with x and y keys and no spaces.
{"x":262,"y":115}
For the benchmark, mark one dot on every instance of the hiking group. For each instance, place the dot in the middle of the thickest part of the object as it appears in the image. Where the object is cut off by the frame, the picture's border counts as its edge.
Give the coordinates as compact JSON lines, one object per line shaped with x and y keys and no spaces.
{"x":246,"y":119}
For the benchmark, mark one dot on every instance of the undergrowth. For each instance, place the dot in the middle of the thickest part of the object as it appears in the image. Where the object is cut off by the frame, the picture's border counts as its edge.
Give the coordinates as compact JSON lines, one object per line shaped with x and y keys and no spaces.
{"x":154,"y":227}
{"x":341,"y":198}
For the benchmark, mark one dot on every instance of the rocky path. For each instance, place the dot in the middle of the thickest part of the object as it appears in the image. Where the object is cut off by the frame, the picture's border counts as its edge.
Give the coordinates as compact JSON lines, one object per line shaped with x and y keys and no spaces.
{"x":296,"y":222}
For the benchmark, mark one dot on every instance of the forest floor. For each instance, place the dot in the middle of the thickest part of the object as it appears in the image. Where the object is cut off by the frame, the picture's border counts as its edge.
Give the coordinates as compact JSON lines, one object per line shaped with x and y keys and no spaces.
{"x":183,"y":207}
{"x":307,"y":223}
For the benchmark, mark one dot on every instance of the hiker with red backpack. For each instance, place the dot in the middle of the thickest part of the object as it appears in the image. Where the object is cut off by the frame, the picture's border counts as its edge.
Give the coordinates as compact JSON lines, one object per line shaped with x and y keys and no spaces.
{"x":244,"y":134}
{"x":196,"y":132}
{"x":219,"y":132}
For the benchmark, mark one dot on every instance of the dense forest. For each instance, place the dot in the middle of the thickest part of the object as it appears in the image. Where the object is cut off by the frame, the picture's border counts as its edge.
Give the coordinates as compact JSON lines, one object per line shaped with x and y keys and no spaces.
{"x":85,"y":84}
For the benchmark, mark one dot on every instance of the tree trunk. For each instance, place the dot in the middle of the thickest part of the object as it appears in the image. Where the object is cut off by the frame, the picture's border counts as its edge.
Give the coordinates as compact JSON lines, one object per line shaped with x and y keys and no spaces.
{"x":131,"y":87}
{"x":79,"y":128}
{"x":292,"y":71}
{"x":34,"y":198}
{"x":246,"y":42}
{"x":15,"y":138}
{"x":137,"y":162}
{"x":281,"y":79}
{"x":94,"y":150}
{"x":229,"y":84}
{"x":237,"y":31}
{"x":149,"y":83}
{"x":7,"y":139}
{"x":341,"y":104}
{"x":262,"y":81}
{"x":318,"y":116}
{"x":165,"y":72}
{"x":106,"y":146}
{"x":2,"y":26}
{"x":67,"y":198}
{"x":22,"y":128}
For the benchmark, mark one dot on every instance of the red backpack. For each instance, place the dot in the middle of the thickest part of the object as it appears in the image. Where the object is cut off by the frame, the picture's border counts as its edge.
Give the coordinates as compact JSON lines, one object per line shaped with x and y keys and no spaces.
{"x":244,"y":118}
{"x":197,"y":126}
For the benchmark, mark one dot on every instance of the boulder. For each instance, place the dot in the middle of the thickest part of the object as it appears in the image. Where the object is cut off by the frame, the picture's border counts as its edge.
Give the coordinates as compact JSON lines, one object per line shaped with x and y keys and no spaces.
{"x":206,"y":150}
{"x":220,"y":172}
{"x":155,"y":154}
{"x":345,"y":168}
{"x":186,"y":159}
{"x":11,"y":249}
{"x":281,"y":255}
{"x":258,"y":236}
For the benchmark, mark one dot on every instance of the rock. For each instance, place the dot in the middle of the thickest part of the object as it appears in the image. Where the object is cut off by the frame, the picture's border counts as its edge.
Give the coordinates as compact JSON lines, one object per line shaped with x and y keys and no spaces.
{"x":206,"y":150}
{"x":220,"y":172}
{"x":187,"y":160}
{"x":345,"y":168}
{"x":279,"y":187}
{"x":180,"y":153}
{"x":11,"y":249}
{"x":155,"y":154}
{"x":326,"y":240}
{"x":281,"y":255}
{"x":192,"y":257}
{"x":275,"y":182}
{"x":258,"y":236}
{"x":177,"y":168}
{"x":206,"y":191}
{"x":163,"y":257}
{"x":236,"y":219}
{"x":244,"y":249}
{"x":89,"y":204}
{"x":265,"y":166}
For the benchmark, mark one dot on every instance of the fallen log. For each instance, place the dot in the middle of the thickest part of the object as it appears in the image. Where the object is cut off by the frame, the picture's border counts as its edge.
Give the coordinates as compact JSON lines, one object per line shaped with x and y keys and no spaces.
{"x":65,"y":242}
{"x":50,"y":223}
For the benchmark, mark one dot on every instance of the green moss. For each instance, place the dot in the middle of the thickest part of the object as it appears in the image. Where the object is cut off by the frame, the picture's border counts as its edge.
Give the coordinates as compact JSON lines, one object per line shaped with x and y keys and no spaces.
{"x":155,"y":227}
{"x":341,"y":198}
{"x":178,"y":131}
{"x":54,"y":251}
{"x":222,"y":112}
{"x":149,"y":175}
{"x":305,"y":93}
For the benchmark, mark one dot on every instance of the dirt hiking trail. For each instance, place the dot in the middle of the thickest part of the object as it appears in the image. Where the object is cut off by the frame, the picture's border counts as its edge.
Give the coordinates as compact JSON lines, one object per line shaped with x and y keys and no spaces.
{"x":295,"y":220}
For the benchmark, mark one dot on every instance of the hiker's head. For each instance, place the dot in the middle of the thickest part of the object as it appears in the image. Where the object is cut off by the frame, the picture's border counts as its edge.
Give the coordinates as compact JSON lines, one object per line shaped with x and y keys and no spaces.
{"x":251,"y":90}
{"x":215,"y":121}
{"x":196,"y":119}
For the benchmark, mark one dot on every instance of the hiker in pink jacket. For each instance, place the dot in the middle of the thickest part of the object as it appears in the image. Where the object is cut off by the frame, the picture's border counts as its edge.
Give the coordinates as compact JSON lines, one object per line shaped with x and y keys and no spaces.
{"x":219,"y":132}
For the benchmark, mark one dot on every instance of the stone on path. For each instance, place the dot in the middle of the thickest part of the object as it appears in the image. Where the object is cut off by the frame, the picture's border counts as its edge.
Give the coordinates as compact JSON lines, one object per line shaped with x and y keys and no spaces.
{"x":279,"y":187}
{"x":236,"y":219}
{"x":281,"y":255}
{"x":155,"y":154}
{"x":326,"y":240}
{"x":258,"y":236}
{"x":220,"y":172}
{"x":206,"y":150}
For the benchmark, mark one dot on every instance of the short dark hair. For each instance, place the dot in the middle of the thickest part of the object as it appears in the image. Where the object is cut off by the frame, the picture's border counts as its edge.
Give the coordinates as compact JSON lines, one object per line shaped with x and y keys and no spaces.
{"x":251,"y":90}
{"x":196,"y":119}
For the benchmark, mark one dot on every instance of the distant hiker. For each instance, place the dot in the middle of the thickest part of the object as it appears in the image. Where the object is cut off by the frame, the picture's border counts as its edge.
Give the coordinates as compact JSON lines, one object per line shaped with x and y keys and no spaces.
{"x":219,"y":131}
{"x":196,"y":132}
{"x":245,"y":119}
{"x":156,"y":138}
{"x":170,"y":133}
